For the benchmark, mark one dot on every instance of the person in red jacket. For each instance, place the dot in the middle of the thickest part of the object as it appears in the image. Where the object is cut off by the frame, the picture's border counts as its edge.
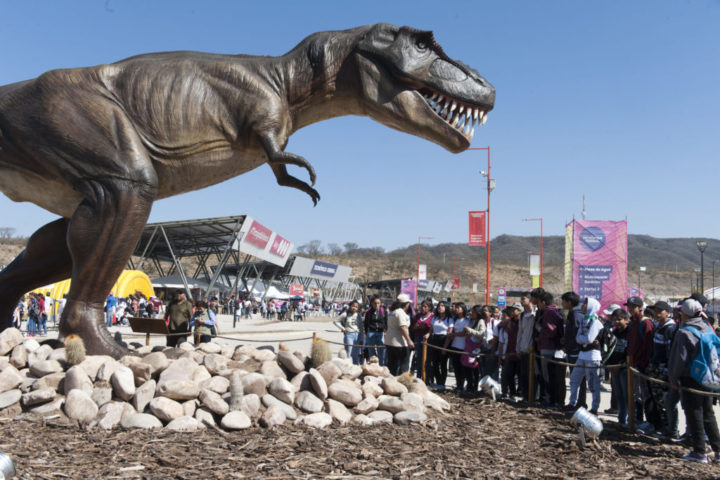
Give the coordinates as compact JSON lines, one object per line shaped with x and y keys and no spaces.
{"x":640,"y":344}
{"x":550,"y":332}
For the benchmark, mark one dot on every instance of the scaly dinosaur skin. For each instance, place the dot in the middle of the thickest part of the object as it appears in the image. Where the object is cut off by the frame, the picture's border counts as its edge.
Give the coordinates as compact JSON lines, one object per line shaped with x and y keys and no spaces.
{"x":99,"y":145}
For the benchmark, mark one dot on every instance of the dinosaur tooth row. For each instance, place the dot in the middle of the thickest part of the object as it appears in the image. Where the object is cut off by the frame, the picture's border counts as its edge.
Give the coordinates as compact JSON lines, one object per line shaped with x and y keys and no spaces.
{"x":459,"y":116}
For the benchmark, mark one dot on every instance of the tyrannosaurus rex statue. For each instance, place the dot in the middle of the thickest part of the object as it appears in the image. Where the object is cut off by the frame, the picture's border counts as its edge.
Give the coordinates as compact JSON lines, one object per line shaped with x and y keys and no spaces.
{"x":99,"y":145}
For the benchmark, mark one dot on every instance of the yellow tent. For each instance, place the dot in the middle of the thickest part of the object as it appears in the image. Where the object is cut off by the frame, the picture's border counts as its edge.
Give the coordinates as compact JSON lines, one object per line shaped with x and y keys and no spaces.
{"x":130,"y":282}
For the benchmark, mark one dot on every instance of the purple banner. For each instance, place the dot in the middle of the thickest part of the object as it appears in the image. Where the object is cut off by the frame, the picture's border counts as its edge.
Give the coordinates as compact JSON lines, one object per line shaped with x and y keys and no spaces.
{"x":409,"y":287}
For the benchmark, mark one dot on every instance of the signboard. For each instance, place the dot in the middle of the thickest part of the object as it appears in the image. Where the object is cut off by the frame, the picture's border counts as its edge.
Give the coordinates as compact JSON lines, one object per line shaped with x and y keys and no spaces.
{"x":476,"y":237}
{"x":316,"y":292}
{"x":475,"y":288}
{"x":599,"y":260}
{"x":501,"y":300}
{"x":324,"y":269}
{"x":448,"y":286}
{"x":409,"y":287}
{"x":501,"y":292}
{"x":422,"y":272}
{"x":534,"y":265}
{"x":259,"y":241}
{"x":456,"y":283}
{"x":307,"y":267}
{"x":437,"y":288}
{"x":297,"y":290}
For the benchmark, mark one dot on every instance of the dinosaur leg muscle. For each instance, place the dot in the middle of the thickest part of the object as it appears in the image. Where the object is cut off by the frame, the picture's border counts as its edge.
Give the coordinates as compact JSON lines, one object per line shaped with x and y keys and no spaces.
{"x":101,"y":237}
{"x":45,"y":260}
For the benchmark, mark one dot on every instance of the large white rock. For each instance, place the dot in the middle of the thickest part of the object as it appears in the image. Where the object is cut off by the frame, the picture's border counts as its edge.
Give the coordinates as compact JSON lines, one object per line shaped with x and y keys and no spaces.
{"x":373,"y":369}
{"x":362,"y":420}
{"x":254,"y":383}
{"x":339,"y":412}
{"x":204,"y":416}
{"x":271,"y":369}
{"x":166,"y":409}
{"x":110,"y":415}
{"x":9,"y":339}
{"x":301,"y":382}
{"x":106,"y":370}
{"x":189,"y":407}
{"x":291,"y":362}
{"x":102,"y":393}
{"x":319,"y":385}
{"x":330,"y":372}
{"x":143,"y":395}
{"x":140,"y":420}
{"x":10,"y":379}
{"x":282,"y":390}
{"x":413,"y":402}
{"x":178,"y":389}
{"x":79,"y":406}
{"x":316,"y":420}
{"x":31,"y":344}
{"x":235,"y":421}
{"x":217,"y":384}
{"x":372,"y":389}
{"x":183,"y":424}
{"x":52,"y":406}
{"x":123,"y":382}
{"x":355,"y":371}
{"x":381,"y":416}
{"x":214,"y":402}
{"x":4,"y":362}
{"x":390,"y":404}
{"x":393,"y":387}
{"x":92,"y":364}
{"x":76,"y":377}
{"x":307,"y":402}
{"x":368,"y":404}
{"x":209,"y":347}
{"x":436,"y":402}
{"x":180,"y":369}
{"x":215,"y":363}
{"x":269,"y":400}
{"x":345,"y":394}
{"x":54,"y":380}
{"x":37,"y":397}
{"x":42,"y":353}
{"x":274,"y":415}
{"x":263,"y":355}
{"x":19,"y":357}
{"x":10,"y":397}
{"x":406,"y":418}
{"x":200,"y":374}
{"x":157,"y":361}
{"x":418,"y":386}
{"x":250,"y":405}
{"x":141,"y":371}
{"x":40,"y":368}
{"x":59,"y":355}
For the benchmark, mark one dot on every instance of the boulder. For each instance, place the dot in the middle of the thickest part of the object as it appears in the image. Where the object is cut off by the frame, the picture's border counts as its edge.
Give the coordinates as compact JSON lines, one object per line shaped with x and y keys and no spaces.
{"x":301,"y":382}
{"x":37,"y":397}
{"x":355,"y":371}
{"x":372,"y":389}
{"x":52,"y":406}
{"x":315,"y":420}
{"x":4,"y":362}
{"x":235,"y":421}
{"x":183,"y":424}
{"x":418,"y":386}
{"x":436,"y":402}
{"x":345,"y":394}
{"x":271,"y":369}
{"x":373,"y":369}
{"x":102,"y":393}
{"x":186,"y":346}
{"x":189,"y":408}
{"x":11,"y":397}
{"x":79,"y":406}
{"x":330,"y":372}
{"x":214,"y":402}
{"x":142,"y":372}
{"x":250,"y":405}
{"x":106,"y":370}
{"x":140,"y":420}
{"x":123,"y":382}
{"x":76,"y":377}
{"x":200,"y":374}
{"x":217,"y":384}
{"x":31,"y":344}
{"x":158,"y":362}
{"x":209,"y":347}
{"x":204,"y":416}
{"x":178,"y":389}
{"x":42,"y":353}
{"x":319,"y":385}
{"x":143,"y":395}
{"x":19,"y":357}
{"x":263,"y":355}
{"x":392,"y":387}
{"x":92,"y":364}
{"x":307,"y":402}
{"x":413,"y":402}
{"x":166,"y":409}
{"x":282,"y":390}
{"x":243,"y":352}
{"x":215,"y":363}
{"x":40,"y":368}
{"x":269,"y":400}
{"x":180,"y":369}
{"x":381,"y":416}
{"x":9,"y":339}
{"x":292,"y":363}
{"x":368,"y":404}
{"x":10,"y":379}
{"x":339,"y":412}
{"x":406,"y":418}
{"x":390,"y":404}
{"x":59,"y":355}
{"x":254,"y":383}
{"x":274,"y":415}
{"x":54,"y":380}
{"x":362,"y":420}
{"x":110,"y":415}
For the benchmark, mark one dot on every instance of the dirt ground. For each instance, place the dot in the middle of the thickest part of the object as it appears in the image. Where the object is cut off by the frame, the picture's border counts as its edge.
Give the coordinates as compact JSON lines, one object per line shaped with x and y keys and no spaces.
{"x":478,"y":439}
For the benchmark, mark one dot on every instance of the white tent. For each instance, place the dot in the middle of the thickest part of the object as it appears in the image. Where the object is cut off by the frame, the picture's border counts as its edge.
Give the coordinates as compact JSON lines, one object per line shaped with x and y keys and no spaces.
{"x":272,"y":292}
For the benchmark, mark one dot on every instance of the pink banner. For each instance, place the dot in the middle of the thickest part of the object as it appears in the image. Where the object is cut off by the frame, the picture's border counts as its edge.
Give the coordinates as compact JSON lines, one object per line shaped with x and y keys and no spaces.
{"x":599,"y":260}
{"x":409,"y":287}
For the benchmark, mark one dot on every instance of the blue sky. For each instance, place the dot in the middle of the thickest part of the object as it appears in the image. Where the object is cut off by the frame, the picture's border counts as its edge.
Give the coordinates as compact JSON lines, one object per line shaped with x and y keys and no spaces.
{"x":615,"y":100}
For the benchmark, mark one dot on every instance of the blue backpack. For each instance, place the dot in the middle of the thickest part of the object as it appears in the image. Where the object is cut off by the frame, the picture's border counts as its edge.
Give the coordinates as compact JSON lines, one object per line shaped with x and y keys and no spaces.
{"x":705,"y":367}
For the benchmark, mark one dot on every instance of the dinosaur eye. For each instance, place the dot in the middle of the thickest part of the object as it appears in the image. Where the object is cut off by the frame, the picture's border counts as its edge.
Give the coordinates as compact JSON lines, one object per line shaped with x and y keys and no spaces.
{"x":421,"y":44}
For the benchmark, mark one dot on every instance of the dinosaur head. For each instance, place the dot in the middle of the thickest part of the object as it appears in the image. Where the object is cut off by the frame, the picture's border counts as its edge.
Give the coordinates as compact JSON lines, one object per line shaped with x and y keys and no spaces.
{"x":408,"y":83}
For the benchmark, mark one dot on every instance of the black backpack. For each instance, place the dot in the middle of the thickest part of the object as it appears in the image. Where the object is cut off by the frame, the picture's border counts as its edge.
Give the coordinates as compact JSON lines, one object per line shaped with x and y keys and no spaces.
{"x":608,"y":342}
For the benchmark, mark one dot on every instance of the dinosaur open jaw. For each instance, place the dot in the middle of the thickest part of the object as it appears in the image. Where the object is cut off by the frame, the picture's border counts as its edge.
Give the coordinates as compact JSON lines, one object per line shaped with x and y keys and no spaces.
{"x":459,"y":115}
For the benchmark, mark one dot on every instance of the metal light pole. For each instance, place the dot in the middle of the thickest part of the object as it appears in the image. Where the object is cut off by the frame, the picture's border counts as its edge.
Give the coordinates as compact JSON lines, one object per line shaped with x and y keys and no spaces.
{"x":701,"y":245}
{"x":541,"y":244}
{"x":417,"y":283}
{"x":490,"y":188}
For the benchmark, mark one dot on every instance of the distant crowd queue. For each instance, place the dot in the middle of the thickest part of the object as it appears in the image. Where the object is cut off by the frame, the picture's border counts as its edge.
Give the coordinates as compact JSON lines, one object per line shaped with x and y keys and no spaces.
{"x":661,"y":341}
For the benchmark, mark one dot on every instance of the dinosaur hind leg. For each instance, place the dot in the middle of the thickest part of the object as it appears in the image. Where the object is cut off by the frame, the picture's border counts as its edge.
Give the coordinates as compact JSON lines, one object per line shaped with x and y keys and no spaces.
{"x":102,"y":235}
{"x":46,"y":259}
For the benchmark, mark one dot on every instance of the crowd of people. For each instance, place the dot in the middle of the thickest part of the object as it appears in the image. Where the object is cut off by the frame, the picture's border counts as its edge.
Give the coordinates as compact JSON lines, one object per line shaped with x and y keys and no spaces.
{"x":597,"y":345}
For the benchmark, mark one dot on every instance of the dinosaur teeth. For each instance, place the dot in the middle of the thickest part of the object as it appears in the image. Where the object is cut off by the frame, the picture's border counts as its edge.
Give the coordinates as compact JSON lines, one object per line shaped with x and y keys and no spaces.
{"x":466,"y":131}
{"x":453,"y":106}
{"x":460,"y":110}
{"x":475,"y":114}
{"x":484,"y":118}
{"x":472,"y":133}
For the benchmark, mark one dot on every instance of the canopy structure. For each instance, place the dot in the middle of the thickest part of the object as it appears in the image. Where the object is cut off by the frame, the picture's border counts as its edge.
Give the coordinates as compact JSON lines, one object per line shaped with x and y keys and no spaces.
{"x":130,"y":282}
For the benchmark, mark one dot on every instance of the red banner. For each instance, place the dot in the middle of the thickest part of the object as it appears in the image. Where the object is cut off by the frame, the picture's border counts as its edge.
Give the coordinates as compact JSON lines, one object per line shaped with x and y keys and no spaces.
{"x":259,"y":234}
{"x":456,"y":283}
{"x":297,"y":290}
{"x":477,"y":229}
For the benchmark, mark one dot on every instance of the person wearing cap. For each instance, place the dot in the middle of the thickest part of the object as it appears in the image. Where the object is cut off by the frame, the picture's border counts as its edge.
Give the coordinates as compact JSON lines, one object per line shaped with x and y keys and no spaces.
{"x":397,"y":337}
{"x":699,"y":414}
{"x":508,"y":356}
{"x":663,"y":420}
{"x":640,"y":342}
{"x":570,"y":302}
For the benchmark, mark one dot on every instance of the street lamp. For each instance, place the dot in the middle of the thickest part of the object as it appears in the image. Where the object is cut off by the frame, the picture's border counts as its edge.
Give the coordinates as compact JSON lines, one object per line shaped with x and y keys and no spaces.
{"x":417,"y":283}
{"x":701,"y":245}
{"x":541,"y":244}
{"x":490,"y":188}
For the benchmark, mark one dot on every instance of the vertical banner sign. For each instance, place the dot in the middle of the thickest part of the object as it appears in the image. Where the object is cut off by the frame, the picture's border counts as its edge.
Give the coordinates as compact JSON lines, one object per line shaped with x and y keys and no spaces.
{"x":534,"y":265}
{"x":568,"y":257}
{"x":474,"y":290}
{"x":409,"y":287}
{"x":422,"y":272}
{"x":476,"y":237}
{"x":599,"y":260}
{"x":456,"y":283}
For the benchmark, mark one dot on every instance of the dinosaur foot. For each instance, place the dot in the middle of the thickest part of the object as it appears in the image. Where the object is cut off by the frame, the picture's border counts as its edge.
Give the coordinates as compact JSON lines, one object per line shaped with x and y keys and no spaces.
{"x":87,"y":321}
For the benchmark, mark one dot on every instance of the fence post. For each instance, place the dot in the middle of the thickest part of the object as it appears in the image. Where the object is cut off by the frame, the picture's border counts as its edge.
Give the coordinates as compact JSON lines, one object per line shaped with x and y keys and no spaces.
{"x":424,"y":359}
{"x":531,"y":375}
{"x":314,"y":337}
{"x":630,"y":393}
{"x":147,"y":339}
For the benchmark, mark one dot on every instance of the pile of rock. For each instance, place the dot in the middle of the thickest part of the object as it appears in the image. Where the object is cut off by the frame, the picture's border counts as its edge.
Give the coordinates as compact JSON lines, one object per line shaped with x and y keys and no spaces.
{"x":185,"y":388}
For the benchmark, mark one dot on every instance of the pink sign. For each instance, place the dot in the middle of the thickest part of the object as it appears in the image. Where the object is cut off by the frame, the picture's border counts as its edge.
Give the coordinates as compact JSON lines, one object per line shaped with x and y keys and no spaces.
{"x":476,"y":237}
{"x":258,"y":235}
{"x":280,"y":246}
{"x":409,"y":287}
{"x":599,"y":260}
{"x":297,"y":290}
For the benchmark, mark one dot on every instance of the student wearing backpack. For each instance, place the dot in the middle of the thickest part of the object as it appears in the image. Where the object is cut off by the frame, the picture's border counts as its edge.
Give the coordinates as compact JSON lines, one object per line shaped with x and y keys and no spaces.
{"x":690,"y":339}
{"x":589,"y":360}
{"x":570,"y":302}
{"x":658,"y":411}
